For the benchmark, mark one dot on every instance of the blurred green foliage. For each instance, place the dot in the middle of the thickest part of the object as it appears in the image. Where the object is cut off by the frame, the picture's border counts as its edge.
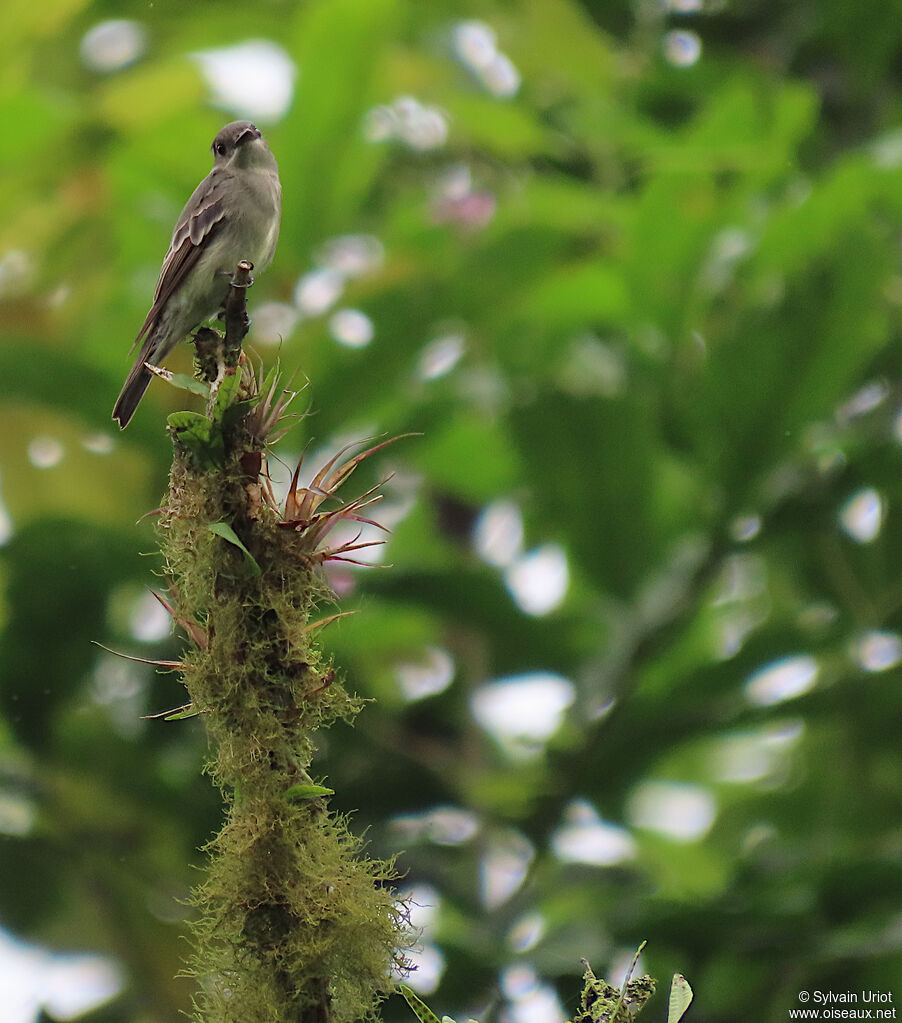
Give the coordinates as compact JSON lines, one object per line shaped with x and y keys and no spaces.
{"x":674,"y":278}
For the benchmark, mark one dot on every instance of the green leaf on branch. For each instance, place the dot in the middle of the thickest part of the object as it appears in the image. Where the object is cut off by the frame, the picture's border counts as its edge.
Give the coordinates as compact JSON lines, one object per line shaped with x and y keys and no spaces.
{"x":182,"y":381}
{"x":224,"y":530}
{"x":298,"y":793}
{"x":191,"y":427}
{"x":420,"y":1009}
{"x":188,"y":383}
{"x":680,"y":998}
{"x":226,"y":395}
{"x":198,"y":435}
{"x":182,"y":714}
{"x":175,"y":714}
{"x":233,"y":413}
{"x":203,"y":435}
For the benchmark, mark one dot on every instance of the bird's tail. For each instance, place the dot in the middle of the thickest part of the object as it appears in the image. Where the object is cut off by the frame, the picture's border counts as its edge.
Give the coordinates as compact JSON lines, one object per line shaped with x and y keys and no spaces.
{"x":132,"y":391}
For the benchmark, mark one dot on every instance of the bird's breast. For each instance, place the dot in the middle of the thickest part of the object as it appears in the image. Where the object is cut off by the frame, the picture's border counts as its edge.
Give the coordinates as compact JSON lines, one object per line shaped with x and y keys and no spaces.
{"x":262,"y":212}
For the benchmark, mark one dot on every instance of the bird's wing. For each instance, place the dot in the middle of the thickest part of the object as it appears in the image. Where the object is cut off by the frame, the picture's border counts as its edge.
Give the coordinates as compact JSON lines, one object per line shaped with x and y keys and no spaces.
{"x":199,"y":220}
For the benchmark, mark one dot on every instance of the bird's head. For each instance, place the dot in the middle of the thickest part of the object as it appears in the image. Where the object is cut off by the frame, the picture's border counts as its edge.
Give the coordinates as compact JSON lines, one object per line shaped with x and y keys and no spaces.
{"x":240,"y":144}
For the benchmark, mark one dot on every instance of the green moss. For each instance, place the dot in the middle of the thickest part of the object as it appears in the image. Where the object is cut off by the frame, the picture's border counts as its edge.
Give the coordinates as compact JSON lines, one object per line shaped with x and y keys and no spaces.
{"x":293,"y":922}
{"x":601,"y":1002}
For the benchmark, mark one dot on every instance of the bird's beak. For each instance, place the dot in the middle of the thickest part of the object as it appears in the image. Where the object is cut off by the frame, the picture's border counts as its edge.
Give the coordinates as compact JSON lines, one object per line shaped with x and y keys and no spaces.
{"x":247,"y":135}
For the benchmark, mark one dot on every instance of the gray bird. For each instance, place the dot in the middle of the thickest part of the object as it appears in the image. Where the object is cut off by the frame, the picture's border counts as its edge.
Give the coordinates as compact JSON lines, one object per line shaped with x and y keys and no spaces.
{"x":233,"y":214}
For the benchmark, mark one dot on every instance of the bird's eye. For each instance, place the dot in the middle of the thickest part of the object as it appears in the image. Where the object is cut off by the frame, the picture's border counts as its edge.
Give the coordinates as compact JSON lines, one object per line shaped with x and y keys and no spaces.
{"x":220,"y":148}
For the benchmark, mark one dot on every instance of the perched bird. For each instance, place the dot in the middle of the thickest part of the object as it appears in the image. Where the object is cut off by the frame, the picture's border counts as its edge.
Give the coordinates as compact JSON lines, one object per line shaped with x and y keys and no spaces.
{"x":233,"y":214}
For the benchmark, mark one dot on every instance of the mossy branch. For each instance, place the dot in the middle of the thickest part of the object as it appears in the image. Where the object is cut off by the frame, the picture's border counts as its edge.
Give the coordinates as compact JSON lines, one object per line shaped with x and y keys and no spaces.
{"x":237,"y":322}
{"x":294,"y":923}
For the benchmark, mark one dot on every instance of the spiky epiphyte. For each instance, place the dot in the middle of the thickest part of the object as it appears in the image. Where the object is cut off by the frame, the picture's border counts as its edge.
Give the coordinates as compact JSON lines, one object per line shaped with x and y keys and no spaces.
{"x":294,"y":922}
{"x":303,"y":512}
